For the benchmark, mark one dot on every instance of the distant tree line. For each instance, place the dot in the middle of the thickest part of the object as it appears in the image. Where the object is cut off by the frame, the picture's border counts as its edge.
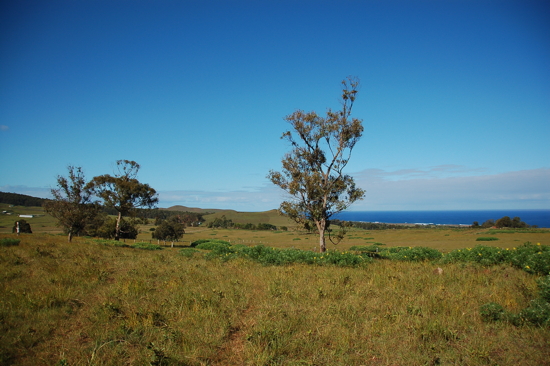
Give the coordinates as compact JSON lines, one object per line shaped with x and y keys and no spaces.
{"x":504,"y":222}
{"x":225,"y":223}
{"x":17,"y":199}
{"x":369,"y":225}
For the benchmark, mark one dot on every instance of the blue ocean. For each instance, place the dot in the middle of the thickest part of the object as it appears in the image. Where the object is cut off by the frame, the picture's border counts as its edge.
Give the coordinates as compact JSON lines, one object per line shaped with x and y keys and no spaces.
{"x":540,"y":218}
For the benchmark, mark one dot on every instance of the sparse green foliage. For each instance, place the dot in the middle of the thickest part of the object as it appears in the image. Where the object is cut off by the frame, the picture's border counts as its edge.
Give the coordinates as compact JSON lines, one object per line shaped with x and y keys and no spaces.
{"x":72,"y":203}
{"x":272,"y":256}
{"x":313,"y":172}
{"x":8,"y":242}
{"x":170,"y":229}
{"x":107,"y":227}
{"x":123,"y":191}
{"x":188,"y":252}
{"x":211,"y":244}
{"x":221,"y":222}
{"x":486,"y":238}
{"x":537,"y":313}
{"x":100,"y":304}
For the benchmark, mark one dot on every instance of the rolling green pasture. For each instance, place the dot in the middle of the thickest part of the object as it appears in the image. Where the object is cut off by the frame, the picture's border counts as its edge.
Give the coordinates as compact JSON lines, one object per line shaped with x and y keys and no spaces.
{"x":87,"y":303}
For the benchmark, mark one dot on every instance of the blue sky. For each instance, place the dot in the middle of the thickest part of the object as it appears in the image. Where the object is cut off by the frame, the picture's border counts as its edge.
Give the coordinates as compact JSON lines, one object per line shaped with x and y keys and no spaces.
{"x":454,"y":98}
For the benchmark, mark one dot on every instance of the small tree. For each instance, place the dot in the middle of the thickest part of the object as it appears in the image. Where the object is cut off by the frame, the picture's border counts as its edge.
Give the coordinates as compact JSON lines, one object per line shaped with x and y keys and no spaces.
{"x":72,"y":203}
{"x":313,"y":172}
{"x":504,"y":222}
{"x":487,"y":224}
{"x":123,"y":191}
{"x":170,"y":229}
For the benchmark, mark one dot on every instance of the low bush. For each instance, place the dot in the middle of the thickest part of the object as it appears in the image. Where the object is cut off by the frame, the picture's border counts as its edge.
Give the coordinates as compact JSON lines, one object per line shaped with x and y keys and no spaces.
{"x":532,"y":258}
{"x":528,"y":257}
{"x":112,"y":243}
{"x":415,"y":254}
{"x":211,"y":244}
{"x":486,"y":238}
{"x":272,"y":256}
{"x":8,"y":242}
{"x":481,"y":254}
{"x":188,"y":252}
{"x":537,"y":313}
{"x":117,"y":243}
{"x":146,"y":246}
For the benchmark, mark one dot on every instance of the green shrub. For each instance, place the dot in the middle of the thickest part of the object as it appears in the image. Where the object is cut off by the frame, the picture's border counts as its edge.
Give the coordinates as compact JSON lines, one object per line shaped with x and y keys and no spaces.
{"x":188,"y":252}
{"x":532,"y":258}
{"x":146,"y":246}
{"x":481,"y":254}
{"x":528,"y":257}
{"x":537,"y":313}
{"x":8,"y":242}
{"x":211,"y":244}
{"x":113,"y":243}
{"x":279,"y":257}
{"x":486,"y":238}
{"x":544,"y":288}
{"x":415,"y":254}
{"x":492,"y":312}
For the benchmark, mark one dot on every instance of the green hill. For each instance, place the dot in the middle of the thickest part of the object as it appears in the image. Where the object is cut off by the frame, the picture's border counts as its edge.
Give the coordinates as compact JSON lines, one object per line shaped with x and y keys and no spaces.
{"x":266,"y":217}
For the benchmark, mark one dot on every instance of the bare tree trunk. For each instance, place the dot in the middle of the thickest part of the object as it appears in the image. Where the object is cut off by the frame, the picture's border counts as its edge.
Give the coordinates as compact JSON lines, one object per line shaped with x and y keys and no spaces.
{"x":322,"y":244}
{"x":70,"y":238}
{"x":321,"y":226}
{"x":117,"y":229}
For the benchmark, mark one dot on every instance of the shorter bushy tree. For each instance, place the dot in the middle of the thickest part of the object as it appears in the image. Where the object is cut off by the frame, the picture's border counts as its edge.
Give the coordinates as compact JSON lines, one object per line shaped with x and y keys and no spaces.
{"x":72,"y":203}
{"x":170,"y":229}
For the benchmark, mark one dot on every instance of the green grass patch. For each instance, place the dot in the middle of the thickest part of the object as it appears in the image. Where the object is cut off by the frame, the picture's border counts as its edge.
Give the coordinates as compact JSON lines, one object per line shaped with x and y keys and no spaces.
{"x":86,"y":303}
{"x":486,"y":238}
{"x":8,"y":242}
{"x":146,"y":246}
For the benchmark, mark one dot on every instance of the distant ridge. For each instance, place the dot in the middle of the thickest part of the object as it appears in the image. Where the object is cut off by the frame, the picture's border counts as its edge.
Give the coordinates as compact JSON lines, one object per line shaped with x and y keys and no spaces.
{"x":194,"y":209}
{"x":21,"y":199}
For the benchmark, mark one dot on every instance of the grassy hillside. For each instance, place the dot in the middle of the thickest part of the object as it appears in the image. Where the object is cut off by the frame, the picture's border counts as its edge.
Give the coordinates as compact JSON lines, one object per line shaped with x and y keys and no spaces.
{"x":266,"y":217}
{"x":192,"y":209}
{"x":91,"y":304}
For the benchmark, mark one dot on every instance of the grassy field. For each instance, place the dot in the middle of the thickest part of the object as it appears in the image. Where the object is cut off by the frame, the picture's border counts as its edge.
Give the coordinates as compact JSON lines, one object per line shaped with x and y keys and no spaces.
{"x":444,"y":239}
{"x":91,"y":304}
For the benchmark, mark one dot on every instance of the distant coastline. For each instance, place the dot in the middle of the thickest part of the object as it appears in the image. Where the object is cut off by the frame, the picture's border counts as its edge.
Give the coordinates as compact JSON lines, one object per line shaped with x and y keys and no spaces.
{"x":540,"y":218}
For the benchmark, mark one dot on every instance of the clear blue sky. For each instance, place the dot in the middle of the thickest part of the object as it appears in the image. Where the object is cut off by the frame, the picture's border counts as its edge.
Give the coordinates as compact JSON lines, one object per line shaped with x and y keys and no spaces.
{"x":455,"y":96}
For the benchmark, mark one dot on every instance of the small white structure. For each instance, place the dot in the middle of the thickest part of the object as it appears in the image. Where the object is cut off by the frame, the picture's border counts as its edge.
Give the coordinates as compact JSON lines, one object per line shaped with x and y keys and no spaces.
{"x":27,"y":216}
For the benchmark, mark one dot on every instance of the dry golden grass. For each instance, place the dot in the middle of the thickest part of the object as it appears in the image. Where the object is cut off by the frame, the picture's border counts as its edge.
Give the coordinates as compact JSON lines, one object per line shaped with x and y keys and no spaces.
{"x":89,"y":304}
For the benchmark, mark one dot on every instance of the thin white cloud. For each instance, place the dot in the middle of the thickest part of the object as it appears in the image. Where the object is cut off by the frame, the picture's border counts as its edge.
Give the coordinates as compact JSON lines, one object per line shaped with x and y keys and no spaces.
{"x":4,"y":128}
{"x":439,"y":171}
{"x":259,"y":199}
{"x":519,"y":189}
{"x":435,"y":188}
